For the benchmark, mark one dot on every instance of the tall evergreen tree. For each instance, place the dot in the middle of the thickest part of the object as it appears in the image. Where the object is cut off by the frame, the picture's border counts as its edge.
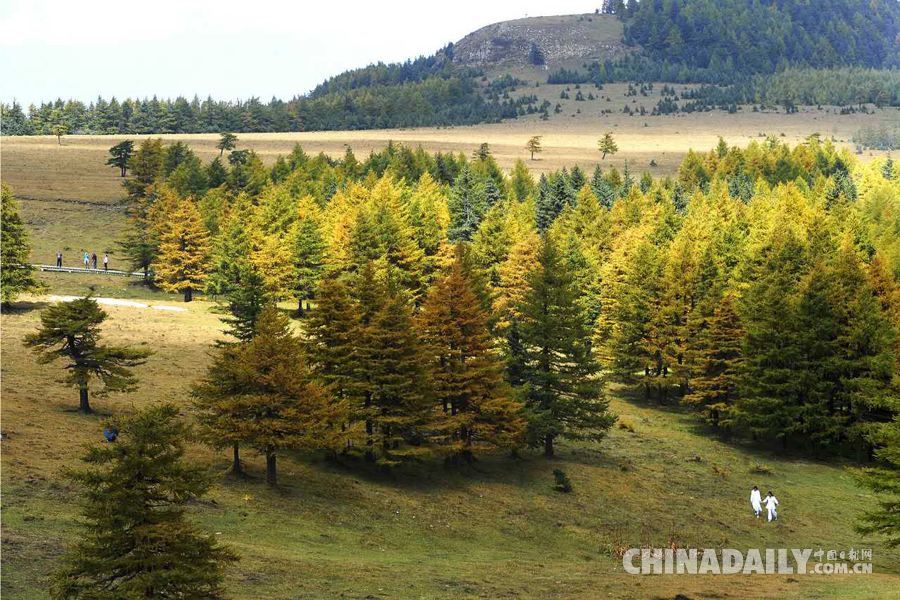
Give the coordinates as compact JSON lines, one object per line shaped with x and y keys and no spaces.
{"x":564,"y":392}
{"x":478,"y":410}
{"x":718,"y":363}
{"x":884,"y":481}
{"x":392,"y":377}
{"x":137,"y":542}
{"x":146,"y":167}
{"x":181,"y":265}
{"x":309,"y":258}
{"x":262,"y":394}
{"x":71,"y":331}
{"x":332,"y":334}
{"x":466,"y":205}
{"x":771,"y":382}
{"x":16,"y":272}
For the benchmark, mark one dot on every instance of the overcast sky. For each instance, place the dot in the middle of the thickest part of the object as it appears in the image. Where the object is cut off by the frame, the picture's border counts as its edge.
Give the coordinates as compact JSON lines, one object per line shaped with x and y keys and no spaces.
{"x":136,"y":48}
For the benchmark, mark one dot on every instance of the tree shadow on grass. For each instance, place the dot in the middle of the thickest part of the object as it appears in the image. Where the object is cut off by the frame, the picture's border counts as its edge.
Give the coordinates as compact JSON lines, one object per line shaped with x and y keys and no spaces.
{"x":24,"y":307}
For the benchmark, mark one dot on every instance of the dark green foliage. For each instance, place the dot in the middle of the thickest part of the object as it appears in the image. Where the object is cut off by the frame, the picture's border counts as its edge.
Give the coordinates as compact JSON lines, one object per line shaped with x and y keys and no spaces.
{"x":137,"y":542}
{"x":562,"y":483}
{"x":227,"y":141}
{"x":713,"y":35}
{"x":71,"y":331}
{"x":773,"y":355}
{"x":535,"y":56}
{"x":16,"y":272}
{"x":309,"y":257}
{"x":564,"y":394}
{"x":121,"y":155}
{"x":146,"y":166}
{"x":884,"y":481}
{"x":466,"y":205}
{"x":244,"y":299}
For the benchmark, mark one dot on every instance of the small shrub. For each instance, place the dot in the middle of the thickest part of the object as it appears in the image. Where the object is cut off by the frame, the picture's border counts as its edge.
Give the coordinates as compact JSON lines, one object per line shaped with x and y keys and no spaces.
{"x":760,"y":468}
{"x":625,"y":466}
{"x":563,"y":483}
{"x":653,"y":163}
{"x":627,"y":425}
{"x":720,"y":471}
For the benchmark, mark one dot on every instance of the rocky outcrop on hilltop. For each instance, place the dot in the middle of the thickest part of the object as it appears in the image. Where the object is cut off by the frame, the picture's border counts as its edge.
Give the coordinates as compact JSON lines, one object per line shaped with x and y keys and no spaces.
{"x":559,"y":39}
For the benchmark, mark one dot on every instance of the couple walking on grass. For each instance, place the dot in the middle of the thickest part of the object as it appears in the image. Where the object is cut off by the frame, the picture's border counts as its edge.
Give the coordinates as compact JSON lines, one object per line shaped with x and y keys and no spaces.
{"x":771,"y":503}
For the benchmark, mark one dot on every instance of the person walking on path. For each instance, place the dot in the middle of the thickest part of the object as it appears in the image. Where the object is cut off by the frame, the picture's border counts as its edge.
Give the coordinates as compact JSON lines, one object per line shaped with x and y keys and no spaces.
{"x":59,"y":258}
{"x":106,"y":262}
{"x":87,"y":260}
{"x":94,"y":259}
{"x":756,"y":501}
{"x":771,"y":505}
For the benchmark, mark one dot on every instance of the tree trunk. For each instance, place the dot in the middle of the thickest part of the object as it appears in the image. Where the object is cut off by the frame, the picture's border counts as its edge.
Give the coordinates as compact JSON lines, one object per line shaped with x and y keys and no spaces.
{"x":236,"y":467}
{"x":221,"y":152}
{"x":188,"y":294}
{"x":84,"y":406}
{"x":271,"y":475}
{"x":548,"y":446}
{"x":300,"y":308}
{"x":370,"y":429}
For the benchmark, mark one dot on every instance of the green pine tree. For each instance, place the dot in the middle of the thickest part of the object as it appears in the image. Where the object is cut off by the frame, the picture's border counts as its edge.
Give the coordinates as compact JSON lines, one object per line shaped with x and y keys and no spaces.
{"x":718,"y":364}
{"x":16,"y":272}
{"x":137,"y":542}
{"x":564,"y":392}
{"x":884,"y":481}
{"x":309,"y":260}
{"x":71,"y":331}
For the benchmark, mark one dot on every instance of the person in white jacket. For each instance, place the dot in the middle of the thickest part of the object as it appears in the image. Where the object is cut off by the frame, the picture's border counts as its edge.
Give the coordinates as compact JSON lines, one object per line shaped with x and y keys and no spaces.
{"x":771,"y":503}
{"x":756,"y":501}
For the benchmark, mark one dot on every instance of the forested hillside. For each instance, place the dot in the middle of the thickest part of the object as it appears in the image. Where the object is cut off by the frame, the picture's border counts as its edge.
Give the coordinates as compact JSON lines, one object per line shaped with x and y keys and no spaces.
{"x":765,"y":35}
{"x":747,"y":46}
{"x":426,"y":92}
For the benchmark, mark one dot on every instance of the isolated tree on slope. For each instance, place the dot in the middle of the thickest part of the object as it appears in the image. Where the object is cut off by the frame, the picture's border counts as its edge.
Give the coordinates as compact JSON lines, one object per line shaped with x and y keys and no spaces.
{"x":607,"y":145}
{"x":534,"y":145}
{"x":71,"y":330}
{"x":121,"y":156}
{"x":16,"y":273}
{"x":564,"y":394}
{"x":227,"y":141}
{"x":137,"y":543}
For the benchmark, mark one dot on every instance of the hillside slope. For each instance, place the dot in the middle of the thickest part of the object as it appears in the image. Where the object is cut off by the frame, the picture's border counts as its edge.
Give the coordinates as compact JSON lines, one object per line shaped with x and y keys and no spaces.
{"x":559,"y":39}
{"x":497,"y":530}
